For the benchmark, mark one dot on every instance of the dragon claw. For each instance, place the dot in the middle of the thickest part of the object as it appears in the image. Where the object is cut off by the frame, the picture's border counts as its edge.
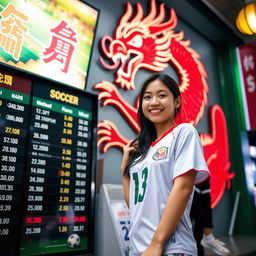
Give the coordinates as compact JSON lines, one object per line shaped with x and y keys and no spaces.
{"x":109,"y":93}
{"x":110,"y":136}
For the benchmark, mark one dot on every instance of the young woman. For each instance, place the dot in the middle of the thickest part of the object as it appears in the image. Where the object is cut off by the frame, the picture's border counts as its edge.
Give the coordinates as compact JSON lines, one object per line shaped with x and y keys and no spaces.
{"x":159,"y":170}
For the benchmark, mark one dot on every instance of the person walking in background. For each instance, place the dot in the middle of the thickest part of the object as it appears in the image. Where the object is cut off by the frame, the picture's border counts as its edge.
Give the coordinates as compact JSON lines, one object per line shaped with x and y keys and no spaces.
{"x":201,"y":216}
{"x":159,"y":170}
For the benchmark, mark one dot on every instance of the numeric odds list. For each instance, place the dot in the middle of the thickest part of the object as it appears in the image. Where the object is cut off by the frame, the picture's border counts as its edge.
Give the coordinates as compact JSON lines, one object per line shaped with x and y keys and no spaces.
{"x":46,"y":161}
{"x":14,"y":114}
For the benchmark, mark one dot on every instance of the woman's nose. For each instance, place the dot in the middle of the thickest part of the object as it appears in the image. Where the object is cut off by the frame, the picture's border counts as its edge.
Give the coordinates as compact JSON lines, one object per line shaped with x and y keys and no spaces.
{"x":154,"y":101}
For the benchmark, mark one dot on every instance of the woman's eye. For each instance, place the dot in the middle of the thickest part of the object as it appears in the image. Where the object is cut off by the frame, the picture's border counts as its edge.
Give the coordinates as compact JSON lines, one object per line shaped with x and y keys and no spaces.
{"x":146,"y":97}
{"x":162,"y":96}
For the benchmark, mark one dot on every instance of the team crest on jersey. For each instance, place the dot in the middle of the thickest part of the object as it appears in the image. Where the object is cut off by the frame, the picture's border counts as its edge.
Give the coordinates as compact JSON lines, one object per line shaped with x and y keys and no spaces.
{"x":160,"y":153}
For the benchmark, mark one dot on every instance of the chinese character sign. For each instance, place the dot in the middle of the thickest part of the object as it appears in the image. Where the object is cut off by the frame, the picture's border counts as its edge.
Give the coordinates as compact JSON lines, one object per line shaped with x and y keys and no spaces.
{"x":247,"y":61}
{"x":12,"y":30}
{"x":62,"y":45}
{"x":6,"y":79}
{"x":59,"y":49}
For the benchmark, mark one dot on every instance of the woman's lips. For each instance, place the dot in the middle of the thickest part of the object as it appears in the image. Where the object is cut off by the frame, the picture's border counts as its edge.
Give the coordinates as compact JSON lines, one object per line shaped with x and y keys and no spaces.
{"x":155,"y":111}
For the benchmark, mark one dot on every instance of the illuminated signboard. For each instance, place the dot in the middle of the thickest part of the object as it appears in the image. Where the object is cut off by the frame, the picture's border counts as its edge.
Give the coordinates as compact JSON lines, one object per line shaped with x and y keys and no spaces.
{"x":246,"y":56}
{"x":46,"y":174}
{"x":149,"y":42}
{"x":50,"y":38}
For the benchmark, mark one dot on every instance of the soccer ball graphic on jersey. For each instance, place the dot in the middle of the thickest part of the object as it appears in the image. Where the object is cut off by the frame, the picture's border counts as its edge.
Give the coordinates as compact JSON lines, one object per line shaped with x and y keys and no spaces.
{"x":73,"y":241}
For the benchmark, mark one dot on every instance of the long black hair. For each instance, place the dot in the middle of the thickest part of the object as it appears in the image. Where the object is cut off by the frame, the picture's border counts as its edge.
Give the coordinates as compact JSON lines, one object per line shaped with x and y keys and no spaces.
{"x":148,"y":132}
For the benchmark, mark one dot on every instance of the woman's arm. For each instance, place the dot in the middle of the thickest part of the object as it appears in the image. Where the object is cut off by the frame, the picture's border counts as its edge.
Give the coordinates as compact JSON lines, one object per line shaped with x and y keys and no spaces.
{"x":126,"y":185}
{"x":130,"y":148}
{"x":175,"y":206}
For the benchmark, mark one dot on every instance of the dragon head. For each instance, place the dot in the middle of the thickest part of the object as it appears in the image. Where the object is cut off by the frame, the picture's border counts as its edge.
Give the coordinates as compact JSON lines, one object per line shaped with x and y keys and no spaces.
{"x":139,"y":43}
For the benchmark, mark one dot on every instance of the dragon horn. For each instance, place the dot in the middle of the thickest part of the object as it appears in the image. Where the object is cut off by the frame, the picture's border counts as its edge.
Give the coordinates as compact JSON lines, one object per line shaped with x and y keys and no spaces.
{"x":127,"y":14}
{"x":161,"y":15}
{"x":168,"y":25}
{"x":152,"y":13}
{"x":139,"y":14}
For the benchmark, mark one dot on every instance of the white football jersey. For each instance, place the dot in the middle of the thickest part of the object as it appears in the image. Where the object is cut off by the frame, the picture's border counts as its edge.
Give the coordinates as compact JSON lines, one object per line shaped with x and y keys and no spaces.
{"x":178,"y":151}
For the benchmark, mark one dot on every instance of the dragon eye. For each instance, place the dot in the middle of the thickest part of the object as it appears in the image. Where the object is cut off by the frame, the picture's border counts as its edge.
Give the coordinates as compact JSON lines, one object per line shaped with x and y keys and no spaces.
{"x":136,"y":41}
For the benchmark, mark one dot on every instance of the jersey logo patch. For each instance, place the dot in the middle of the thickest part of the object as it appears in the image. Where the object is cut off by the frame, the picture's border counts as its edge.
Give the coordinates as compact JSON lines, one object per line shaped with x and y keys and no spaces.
{"x":160,"y":153}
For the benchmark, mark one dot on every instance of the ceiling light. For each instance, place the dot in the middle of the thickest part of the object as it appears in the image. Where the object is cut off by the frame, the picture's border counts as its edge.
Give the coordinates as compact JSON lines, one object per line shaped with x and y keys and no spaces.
{"x":246,"y":19}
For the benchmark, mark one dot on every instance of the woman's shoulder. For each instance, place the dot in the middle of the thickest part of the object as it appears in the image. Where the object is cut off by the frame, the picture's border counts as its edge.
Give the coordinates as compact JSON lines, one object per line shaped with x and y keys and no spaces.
{"x":185,"y":128}
{"x":186,"y":132}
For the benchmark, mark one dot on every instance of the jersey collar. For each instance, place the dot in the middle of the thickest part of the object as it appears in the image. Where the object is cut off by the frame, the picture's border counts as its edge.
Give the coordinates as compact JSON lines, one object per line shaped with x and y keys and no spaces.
{"x":166,"y":133}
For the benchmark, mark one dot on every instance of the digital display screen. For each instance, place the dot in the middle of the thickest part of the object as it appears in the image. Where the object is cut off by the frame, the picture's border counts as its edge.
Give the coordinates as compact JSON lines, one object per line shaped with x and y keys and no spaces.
{"x":47,"y":140}
{"x":60,"y":49}
{"x":14,"y":117}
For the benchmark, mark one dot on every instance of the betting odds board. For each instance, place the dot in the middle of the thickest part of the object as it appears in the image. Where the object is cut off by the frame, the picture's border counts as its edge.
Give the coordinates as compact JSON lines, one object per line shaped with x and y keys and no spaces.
{"x":47,"y":159}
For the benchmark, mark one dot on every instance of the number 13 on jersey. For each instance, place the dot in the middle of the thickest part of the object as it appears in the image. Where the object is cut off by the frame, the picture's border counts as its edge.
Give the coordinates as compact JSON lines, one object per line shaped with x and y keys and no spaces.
{"x":140,"y":185}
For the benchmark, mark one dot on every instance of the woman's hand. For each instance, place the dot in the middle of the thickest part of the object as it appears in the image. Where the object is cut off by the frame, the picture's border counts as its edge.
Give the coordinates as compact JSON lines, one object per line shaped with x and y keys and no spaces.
{"x":130,"y":148}
{"x":152,"y":251}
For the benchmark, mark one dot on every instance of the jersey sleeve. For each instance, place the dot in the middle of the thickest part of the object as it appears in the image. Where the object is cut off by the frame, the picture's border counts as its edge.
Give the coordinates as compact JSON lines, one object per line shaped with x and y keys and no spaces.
{"x":189,"y":155}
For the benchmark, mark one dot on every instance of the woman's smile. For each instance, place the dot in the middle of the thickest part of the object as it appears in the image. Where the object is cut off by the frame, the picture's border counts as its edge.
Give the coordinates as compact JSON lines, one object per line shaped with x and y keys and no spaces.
{"x":155,"y":111}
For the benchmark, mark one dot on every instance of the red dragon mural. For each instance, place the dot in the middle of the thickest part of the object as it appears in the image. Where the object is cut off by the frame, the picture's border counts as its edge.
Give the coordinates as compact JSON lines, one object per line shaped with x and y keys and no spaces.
{"x":150,"y":43}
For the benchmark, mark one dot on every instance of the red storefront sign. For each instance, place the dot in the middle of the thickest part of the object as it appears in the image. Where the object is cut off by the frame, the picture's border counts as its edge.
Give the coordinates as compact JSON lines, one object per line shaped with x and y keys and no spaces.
{"x":247,"y":61}
{"x":149,"y":42}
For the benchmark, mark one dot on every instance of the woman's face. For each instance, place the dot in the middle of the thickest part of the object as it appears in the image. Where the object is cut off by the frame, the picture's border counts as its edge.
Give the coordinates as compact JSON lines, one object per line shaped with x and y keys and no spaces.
{"x":158,"y":103}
